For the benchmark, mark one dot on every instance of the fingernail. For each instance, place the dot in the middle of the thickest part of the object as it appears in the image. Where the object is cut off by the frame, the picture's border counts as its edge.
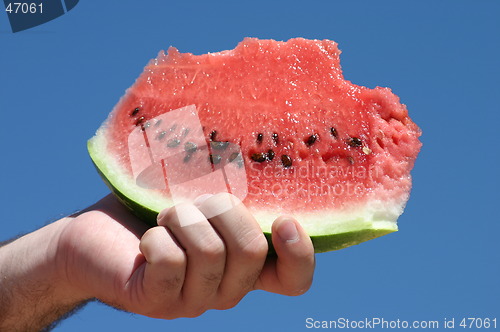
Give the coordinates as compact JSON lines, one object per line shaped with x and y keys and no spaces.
{"x":187,"y":215}
{"x":220,"y":204}
{"x":183,"y":214}
{"x":161,"y":215}
{"x":200,"y":199}
{"x":288,"y":232}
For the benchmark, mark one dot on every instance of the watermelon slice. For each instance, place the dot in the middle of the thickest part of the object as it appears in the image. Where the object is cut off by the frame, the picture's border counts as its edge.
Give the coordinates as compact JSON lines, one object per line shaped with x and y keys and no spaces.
{"x":274,"y":123}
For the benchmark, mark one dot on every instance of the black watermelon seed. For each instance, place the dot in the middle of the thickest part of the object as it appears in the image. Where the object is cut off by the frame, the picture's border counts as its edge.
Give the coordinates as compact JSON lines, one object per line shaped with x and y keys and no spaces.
{"x":286,"y":161}
{"x":161,"y":135}
{"x":351,"y":160}
{"x":236,"y":157}
{"x":354,"y":142}
{"x":334,"y":133}
{"x":260,"y":137}
{"x":311,"y":140}
{"x":212,"y":135}
{"x":233,"y":156}
{"x":270,"y":154}
{"x":187,"y":157}
{"x":219,"y":145}
{"x":139,"y":121}
{"x":174,"y":142}
{"x":215,"y":159}
{"x":275,"y":138}
{"x":259,"y":157}
{"x":190,"y":147}
{"x":135,"y":111}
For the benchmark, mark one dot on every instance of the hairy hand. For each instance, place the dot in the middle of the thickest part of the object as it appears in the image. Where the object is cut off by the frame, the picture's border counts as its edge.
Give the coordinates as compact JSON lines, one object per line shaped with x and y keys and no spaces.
{"x":179,"y":268}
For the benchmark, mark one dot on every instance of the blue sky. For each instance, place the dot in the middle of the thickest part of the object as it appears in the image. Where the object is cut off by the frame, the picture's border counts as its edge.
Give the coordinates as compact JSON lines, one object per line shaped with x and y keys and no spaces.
{"x":59,"y":81}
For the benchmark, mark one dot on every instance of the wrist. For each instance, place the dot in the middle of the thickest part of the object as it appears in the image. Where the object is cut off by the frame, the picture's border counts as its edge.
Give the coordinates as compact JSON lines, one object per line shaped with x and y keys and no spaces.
{"x":33,"y":279}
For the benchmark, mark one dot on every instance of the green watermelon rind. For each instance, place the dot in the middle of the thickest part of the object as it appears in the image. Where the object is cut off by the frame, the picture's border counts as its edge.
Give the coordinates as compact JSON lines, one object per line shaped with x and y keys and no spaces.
{"x":348,"y":234}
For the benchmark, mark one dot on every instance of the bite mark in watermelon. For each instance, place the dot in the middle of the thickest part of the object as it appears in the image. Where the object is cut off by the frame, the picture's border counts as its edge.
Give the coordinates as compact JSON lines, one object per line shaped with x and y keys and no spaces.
{"x":311,"y":144}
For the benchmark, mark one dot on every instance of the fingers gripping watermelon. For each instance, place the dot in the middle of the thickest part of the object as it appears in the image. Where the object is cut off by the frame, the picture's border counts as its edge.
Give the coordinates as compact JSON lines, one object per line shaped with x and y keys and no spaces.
{"x":276,"y":124}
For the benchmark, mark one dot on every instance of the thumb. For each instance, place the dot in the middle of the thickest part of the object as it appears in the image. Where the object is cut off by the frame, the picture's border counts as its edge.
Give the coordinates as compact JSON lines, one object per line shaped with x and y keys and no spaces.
{"x":291,"y":272}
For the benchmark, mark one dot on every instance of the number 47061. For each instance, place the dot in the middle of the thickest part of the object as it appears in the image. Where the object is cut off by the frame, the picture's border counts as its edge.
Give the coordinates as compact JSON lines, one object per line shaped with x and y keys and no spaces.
{"x":478,"y":323}
{"x":24,"y":8}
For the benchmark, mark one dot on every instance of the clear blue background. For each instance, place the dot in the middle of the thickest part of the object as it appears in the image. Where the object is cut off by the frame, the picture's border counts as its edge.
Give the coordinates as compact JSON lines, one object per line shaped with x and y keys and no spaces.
{"x":59,"y":81}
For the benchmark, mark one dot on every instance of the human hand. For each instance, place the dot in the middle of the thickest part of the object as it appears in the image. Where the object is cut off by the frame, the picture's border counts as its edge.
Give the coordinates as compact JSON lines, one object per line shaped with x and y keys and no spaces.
{"x":171,"y":270}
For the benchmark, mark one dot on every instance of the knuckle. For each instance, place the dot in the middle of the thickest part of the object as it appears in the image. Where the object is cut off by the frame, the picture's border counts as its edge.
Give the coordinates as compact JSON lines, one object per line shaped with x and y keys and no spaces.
{"x":299,"y":289}
{"x":157,"y":238}
{"x":149,"y":232}
{"x":195,"y":312}
{"x":172,"y":217}
{"x":157,"y":291}
{"x":212,"y":250}
{"x":254,"y":248}
{"x":175,"y":258}
{"x":211,"y":279}
{"x":228,"y":304}
{"x":149,"y":236}
{"x":167,"y":285}
{"x":166,"y":216}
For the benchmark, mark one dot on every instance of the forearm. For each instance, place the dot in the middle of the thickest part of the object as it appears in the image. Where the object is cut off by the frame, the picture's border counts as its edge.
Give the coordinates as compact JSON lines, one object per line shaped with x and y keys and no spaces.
{"x":33,"y":292}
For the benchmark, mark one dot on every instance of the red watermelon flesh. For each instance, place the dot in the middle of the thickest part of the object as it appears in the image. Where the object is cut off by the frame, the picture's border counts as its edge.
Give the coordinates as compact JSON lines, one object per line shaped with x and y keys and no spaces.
{"x":335,"y":155}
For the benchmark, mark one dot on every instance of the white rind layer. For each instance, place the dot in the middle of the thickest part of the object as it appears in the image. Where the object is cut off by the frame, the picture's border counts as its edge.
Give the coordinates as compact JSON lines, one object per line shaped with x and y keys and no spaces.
{"x":119,"y":178}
